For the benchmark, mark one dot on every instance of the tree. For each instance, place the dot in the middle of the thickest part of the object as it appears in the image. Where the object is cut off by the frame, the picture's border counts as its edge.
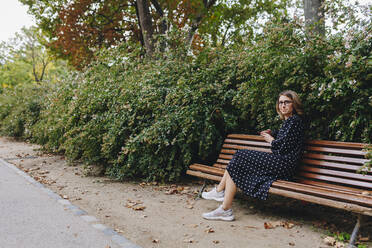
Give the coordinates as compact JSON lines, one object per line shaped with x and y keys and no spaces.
{"x":78,"y":28}
{"x":314,"y":15}
{"x":25,"y":60}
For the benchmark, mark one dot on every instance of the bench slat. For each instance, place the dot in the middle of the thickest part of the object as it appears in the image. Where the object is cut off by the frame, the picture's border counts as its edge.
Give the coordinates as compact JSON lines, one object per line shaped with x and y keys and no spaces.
{"x":334,"y":173}
{"x":239,"y":147}
{"x":330,"y":164}
{"x":336,"y":180}
{"x":245,"y":136}
{"x":222,"y":166}
{"x":335,"y":150}
{"x":203,"y":175}
{"x":247,"y":142}
{"x":336,"y":144}
{"x":310,"y":142}
{"x":223,"y":161}
{"x":332,"y":186}
{"x":335,"y":158}
{"x":318,"y":200}
{"x":324,"y":193}
{"x":207,"y":169}
{"x":228,"y":151}
{"x":224,"y":156}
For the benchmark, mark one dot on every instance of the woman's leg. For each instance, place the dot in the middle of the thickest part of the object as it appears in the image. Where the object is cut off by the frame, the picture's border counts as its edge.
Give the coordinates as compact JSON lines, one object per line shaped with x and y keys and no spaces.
{"x":230,"y":190}
{"x":221,"y":186}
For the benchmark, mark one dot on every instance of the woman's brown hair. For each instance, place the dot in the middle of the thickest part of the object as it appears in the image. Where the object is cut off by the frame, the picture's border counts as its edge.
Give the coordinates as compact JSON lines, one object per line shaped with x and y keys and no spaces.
{"x":297,"y":105}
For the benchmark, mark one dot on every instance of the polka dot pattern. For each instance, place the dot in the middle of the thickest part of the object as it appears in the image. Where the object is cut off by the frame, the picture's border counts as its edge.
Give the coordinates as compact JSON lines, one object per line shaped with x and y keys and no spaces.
{"x":254,"y":171}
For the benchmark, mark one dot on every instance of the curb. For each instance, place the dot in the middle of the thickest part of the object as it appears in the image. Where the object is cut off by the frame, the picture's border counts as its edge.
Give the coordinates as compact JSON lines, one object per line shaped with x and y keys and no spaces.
{"x":115,"y":237}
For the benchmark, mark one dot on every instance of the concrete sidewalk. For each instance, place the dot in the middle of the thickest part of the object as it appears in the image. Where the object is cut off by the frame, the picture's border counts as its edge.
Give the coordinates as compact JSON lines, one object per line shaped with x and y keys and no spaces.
{"x":33,"y":216}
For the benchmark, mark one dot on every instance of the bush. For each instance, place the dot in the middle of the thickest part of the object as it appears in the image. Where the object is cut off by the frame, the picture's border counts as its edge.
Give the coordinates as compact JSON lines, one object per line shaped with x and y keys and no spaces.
{"x":330,"y":76}
{"x":151,"y":118}
{"x":20,"y":109}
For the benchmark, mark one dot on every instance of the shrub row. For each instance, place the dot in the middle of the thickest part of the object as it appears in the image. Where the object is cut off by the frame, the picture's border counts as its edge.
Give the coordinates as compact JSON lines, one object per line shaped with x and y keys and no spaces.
{"x":151,"y":118}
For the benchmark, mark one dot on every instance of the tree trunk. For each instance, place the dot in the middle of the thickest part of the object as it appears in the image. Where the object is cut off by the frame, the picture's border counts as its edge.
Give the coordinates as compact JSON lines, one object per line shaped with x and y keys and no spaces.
{"x":145,"y":21}
{"x":196,"y":22}
{"x":163,"y":25}
{"x":314,"y":16}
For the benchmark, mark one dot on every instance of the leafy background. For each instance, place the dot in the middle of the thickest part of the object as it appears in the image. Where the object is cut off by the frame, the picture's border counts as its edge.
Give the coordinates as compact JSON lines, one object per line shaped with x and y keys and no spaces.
{"x":150,"y":118}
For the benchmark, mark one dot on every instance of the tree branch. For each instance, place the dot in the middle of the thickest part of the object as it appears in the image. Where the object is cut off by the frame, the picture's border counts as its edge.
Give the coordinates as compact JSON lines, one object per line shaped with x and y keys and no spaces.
{"x":197,"y":21}
{"x":159,"y":10}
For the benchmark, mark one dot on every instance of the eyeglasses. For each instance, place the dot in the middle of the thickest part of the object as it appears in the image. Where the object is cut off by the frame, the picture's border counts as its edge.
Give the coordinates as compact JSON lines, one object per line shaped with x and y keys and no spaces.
{"x":286,"y":102}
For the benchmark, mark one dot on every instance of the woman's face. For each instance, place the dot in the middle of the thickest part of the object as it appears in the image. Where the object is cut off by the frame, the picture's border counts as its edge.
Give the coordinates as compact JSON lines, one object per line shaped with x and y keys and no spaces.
{"x":286,"y":106}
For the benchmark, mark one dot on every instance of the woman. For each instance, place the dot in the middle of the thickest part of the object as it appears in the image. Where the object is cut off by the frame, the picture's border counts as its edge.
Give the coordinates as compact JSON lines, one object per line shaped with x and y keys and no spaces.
{"x":253,"y":171}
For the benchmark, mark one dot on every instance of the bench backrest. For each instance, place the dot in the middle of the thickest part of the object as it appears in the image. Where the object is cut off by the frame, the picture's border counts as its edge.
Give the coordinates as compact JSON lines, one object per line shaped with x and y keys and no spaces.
{"x":324,"y":162}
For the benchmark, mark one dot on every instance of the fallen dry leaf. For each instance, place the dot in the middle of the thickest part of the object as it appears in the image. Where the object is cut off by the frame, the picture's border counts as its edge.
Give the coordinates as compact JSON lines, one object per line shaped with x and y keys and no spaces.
{"x":171,"y":192}
{"x":285,"y":224}
{"x":134,"y":205}
{"x":209,"y":230}
{"x":339,"y":245}
{"x":138,"y":208}
{"x":268,"y":225}
{"x":250,"y":227}
{"x":288,"y":225}
{"x":119,"y":230}
{"x":329,"y":240}
{"x":364,"y":239}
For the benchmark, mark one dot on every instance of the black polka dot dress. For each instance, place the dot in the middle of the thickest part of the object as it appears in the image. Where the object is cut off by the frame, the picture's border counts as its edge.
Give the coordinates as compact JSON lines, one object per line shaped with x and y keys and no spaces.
{"x":254,"y":171}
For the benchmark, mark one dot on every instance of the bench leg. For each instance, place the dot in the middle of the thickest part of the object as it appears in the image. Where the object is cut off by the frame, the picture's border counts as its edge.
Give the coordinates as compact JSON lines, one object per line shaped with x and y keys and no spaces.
{"x":355,"y":231}
{"x":201,"y":190}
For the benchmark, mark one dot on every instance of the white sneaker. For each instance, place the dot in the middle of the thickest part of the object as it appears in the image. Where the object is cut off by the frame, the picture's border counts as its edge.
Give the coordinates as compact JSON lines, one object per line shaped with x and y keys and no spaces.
{"x":214,"y":195}
{"x":219,"y":214}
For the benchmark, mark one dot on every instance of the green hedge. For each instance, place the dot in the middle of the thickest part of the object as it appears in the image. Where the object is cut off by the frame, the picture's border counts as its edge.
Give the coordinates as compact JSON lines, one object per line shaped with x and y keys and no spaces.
{"x":151,"y":118}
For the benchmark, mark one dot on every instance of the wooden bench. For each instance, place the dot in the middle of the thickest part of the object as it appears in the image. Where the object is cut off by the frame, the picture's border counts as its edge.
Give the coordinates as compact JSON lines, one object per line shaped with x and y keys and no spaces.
{"x":327,"y":174}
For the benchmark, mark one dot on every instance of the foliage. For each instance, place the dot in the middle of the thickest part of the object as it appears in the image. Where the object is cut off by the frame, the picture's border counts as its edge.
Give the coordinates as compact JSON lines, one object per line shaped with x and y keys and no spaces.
{"x":20,"y":108}
{"x":343,"y":236}
{"x":77,"y":29}
{"x":150,"y":119}
{"x":330,"y":74}
{"x":367,"y":165}
{"x":24,"y":60}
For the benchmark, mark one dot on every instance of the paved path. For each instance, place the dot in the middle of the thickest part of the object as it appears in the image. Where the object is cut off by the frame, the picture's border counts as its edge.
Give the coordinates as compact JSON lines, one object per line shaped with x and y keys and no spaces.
{"x":32,"y":216}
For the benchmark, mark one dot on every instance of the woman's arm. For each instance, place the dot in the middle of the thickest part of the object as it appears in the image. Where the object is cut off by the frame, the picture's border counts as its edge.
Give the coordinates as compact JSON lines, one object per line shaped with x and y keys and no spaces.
{"x":291,"y":136}
{"x":268,"y":138}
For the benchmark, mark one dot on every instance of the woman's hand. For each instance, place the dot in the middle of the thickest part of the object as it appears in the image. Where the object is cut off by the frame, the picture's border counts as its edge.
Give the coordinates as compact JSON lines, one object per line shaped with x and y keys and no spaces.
{"x":268,"y":138}
{"x":268,"y":131}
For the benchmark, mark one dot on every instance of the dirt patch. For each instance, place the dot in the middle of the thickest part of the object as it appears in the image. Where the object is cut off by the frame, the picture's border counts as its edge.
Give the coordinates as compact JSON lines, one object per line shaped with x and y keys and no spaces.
{"x":155,"y":215}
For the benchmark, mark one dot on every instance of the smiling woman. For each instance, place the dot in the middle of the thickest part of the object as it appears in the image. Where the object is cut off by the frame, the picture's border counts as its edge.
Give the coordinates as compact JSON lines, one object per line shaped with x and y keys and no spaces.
{"x":13,"y":16}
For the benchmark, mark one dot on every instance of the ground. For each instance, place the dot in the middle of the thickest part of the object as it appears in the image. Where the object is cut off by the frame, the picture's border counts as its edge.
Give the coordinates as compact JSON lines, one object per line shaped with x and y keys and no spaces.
{"x":167,"y":215}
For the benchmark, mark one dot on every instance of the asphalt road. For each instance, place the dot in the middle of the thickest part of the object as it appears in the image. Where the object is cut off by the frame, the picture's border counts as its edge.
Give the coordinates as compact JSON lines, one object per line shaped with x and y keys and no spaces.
{"x":32,"y":216}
